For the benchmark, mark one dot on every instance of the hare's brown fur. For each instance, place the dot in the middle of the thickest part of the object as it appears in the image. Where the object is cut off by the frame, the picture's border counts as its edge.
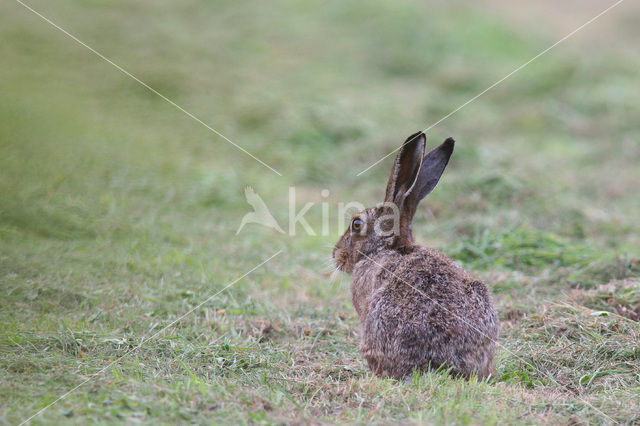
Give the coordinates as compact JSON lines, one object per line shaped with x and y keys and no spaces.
{"x":417,"y":308}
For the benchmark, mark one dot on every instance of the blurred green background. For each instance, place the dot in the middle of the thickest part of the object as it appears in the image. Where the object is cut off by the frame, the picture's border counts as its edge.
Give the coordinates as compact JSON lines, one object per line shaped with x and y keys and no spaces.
{"x":118,"y":212}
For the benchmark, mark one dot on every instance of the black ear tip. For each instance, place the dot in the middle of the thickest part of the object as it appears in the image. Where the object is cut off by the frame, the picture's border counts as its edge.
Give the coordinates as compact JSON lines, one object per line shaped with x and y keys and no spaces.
{"x":449,"y":143}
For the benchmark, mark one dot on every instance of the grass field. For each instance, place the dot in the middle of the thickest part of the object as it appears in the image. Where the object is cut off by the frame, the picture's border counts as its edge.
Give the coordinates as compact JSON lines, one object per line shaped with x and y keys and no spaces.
{"x":118,"y":212}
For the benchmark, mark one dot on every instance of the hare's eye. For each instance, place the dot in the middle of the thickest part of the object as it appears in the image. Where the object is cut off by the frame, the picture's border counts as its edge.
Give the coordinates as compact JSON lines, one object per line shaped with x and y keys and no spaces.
{"x":357,"y":224}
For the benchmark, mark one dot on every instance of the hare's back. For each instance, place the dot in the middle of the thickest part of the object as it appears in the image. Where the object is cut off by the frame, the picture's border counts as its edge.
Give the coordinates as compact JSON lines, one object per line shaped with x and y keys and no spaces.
{"x":429,"y":297}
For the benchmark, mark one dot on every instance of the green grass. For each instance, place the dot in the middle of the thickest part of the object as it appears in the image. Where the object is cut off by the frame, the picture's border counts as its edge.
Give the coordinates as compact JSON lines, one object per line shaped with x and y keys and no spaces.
{"x":118,"y":212}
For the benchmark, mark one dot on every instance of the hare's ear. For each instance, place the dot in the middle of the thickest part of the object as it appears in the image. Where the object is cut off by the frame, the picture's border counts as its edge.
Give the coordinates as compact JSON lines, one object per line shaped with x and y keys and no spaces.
{"x":404,"y":173}
{"x":433,"y":165}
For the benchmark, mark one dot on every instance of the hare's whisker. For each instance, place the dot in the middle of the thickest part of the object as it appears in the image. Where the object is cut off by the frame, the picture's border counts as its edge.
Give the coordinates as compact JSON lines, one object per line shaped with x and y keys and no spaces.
{"x":334,"y":274}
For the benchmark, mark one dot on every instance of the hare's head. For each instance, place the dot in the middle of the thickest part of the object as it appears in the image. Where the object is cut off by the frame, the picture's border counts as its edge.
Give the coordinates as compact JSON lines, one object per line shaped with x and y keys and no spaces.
{"x":387,"y":226}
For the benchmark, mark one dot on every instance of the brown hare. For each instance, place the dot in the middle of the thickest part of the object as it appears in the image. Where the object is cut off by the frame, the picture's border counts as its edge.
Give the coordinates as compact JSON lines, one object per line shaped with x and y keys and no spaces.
{"x":417,"y":308}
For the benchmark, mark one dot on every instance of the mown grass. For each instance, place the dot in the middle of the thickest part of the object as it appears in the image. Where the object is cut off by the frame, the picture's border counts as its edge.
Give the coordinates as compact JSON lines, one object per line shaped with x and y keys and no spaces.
{"x":118,"y":213}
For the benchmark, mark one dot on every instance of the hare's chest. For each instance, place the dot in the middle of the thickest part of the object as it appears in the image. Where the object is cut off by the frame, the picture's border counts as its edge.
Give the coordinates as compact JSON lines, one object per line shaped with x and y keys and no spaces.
{"x":368,"y":278}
